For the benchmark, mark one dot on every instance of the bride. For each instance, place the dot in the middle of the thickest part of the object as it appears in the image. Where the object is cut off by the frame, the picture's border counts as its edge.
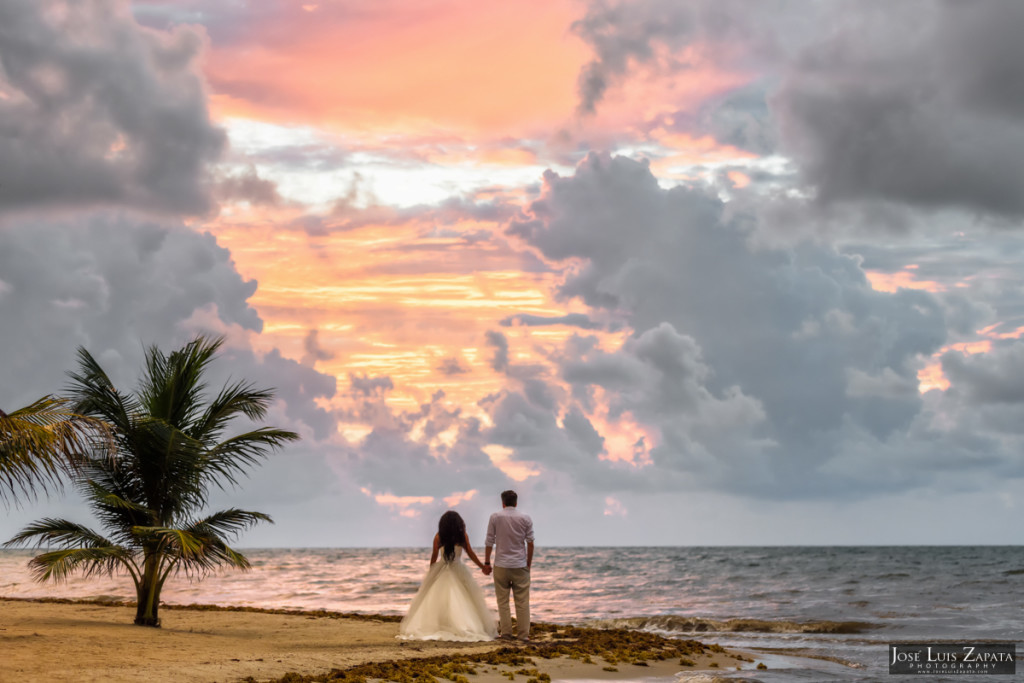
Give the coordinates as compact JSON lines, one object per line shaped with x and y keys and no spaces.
{"x":450,"y":604}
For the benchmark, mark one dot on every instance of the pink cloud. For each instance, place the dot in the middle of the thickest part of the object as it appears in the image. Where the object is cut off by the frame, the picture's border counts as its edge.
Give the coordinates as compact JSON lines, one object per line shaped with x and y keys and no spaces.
{"x":459,"y":497}
{"x":403,"y":67}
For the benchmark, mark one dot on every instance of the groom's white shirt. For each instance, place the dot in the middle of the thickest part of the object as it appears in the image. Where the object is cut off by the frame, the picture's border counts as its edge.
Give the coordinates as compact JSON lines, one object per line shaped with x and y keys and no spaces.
{"x":509,"y":530}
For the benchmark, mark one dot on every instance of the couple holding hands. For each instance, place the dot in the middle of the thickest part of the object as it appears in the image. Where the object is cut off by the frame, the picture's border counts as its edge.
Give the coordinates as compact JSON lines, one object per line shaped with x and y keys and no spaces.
{"x":450,"y":604}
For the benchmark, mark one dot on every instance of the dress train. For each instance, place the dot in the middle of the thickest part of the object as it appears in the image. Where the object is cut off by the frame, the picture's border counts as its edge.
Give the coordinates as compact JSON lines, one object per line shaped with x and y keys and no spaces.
{"x":450,"y":605}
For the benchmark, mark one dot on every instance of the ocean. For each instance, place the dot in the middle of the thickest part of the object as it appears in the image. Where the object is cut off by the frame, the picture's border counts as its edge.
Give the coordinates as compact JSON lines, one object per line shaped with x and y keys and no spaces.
{"x":809,"y":613}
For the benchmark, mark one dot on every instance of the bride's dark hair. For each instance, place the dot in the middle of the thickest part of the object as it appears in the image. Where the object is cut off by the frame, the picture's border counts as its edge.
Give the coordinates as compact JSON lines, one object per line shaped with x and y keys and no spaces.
{"x":451,"y":531}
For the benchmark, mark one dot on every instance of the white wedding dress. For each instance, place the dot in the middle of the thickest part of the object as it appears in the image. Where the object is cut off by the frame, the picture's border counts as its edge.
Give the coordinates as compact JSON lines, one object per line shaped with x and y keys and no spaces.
{"x":449,"y":606}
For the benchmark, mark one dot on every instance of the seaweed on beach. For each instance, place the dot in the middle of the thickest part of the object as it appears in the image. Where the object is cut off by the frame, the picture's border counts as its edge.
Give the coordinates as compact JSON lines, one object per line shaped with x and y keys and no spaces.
{"x":613,"y":646}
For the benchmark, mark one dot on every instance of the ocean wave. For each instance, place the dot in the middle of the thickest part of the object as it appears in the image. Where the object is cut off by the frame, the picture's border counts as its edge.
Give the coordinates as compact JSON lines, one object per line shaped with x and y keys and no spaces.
{"x":672,"y":624}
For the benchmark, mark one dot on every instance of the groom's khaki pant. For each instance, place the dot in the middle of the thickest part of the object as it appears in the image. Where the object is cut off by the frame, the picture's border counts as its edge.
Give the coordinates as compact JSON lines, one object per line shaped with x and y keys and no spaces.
{"x":518,"y":581}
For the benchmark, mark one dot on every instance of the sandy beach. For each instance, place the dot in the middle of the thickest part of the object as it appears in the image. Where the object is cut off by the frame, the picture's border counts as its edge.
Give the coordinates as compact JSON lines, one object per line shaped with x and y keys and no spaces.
{"x":47,"y":641}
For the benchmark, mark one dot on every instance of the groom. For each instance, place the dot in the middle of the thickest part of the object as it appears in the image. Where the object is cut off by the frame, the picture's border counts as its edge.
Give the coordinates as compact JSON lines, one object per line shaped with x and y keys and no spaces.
{"x":511,"y":532}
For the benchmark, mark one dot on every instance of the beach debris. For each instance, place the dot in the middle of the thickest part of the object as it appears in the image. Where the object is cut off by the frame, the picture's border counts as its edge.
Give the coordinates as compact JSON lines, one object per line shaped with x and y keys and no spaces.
{"x":587,"y":645}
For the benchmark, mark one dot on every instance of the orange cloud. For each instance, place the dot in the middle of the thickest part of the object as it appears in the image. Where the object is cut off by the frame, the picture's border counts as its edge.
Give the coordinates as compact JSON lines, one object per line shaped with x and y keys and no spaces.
{"x":448,"y":65}
{"x":991,"y":333}
{"x":685,"y":151}
{"x":969,"y":348}
{"x":904,"y":279}
{"x":459,"y":497}
{"x":625,"y":439}
{"x":403,"y":505}
{"x":652,"y":96}
{"x":738,"y":179}
{"x":932,"y":377}
{"x":500,"y":457}
{"x":400,"y":299}
{"x":614,"y":508}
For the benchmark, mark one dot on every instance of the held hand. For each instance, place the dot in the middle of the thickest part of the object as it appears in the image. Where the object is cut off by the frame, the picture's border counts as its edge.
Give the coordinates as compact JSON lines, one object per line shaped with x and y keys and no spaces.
{"x":486,"y":569}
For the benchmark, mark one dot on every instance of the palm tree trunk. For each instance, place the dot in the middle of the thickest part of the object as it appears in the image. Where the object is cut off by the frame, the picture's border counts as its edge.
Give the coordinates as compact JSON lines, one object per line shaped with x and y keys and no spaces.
{"x":148,"y":592}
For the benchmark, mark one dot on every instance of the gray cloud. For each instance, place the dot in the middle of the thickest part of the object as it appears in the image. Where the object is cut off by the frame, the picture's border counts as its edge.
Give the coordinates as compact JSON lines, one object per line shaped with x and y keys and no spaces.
{"x":499,"y":362}
{"x":931,"y":116}
{"x":314,"y":352}
{"x":566,"y":451}
{"x":579,"y":320}
{"x":111,"y":283}
{"x":248,"y":187}
{"x":115,"y":284}
{"x":100,"y":111}
{"x":452,"y":366}
{"x":995,"y":377}
{"x":910,"y":120}
{"x":757,"y":365}
{"x":364,"y":385}
{"x":403,"y":453}
{"x":626,"y":34}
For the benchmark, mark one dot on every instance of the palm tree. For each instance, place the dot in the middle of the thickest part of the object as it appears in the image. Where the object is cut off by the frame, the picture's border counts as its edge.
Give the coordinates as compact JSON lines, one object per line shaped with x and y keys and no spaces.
{"x":170,"y":448}
{"x":40,"y":442}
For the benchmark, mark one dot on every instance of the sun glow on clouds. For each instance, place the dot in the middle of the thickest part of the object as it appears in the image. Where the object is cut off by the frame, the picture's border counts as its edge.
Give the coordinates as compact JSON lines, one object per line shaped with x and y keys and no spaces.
{"x":625,"y":439}
{"x":316,"y":168}
{"x":991,"y":333}
{"x":931,"y":376}
{"x":459,"y":497}
{"x":903,"y":279}
{"x":366,"y":124}
{"x":682,"y":152}
{"x":398,"y":300}
{"x":614,"y":508}
{"x":501,"y":458}
{"x":403,"y":505}
{"x":387,"y":70}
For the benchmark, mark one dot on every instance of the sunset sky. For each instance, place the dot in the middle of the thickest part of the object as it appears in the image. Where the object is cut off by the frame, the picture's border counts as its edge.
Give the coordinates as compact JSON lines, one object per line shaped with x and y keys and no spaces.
{"x":681,"y":273}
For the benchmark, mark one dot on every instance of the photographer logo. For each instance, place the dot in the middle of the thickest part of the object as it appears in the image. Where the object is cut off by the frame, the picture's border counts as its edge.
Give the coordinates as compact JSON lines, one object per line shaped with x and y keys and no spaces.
{"x":947,"y":659}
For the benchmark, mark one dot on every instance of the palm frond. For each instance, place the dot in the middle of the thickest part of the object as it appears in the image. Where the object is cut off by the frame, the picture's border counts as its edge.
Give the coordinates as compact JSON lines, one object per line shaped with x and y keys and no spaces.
{"x":94,"y":394}
{"x":209,"y":548}
{"x":172,"y":387}
{"x":43,"y":440}
{"x":234,"y":399}
{"x":215,"y":554}
{"x":61,"y":532}
{"x":116,"y":497}
{"x":227,"y":522}
{"x":194,"y":550}
{"x":236,"y":455}
{"x":58,"y":565}
{"x":168,"y":465}
{"x":182,"y":543}
{"x":103,"y":497}
{"x":223,"y":555}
